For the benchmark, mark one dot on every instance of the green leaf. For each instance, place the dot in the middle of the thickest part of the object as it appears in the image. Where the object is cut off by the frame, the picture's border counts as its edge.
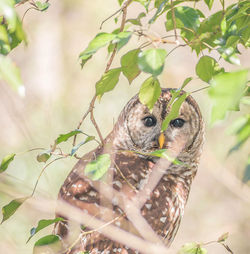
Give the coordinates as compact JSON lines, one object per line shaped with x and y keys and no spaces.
{"x":206,"y":30}
{"x":175,"y":104}
{"x":4,"y":41}
{"x":209,"y":3}
{"x":163,"y":153}
{"x":186,"y":17}
{"x":129,"y":65}
{"x":18,"y":35}
{"x":206,"y":68}
{"x":152,"y":61}
{"x":229,"y":54}
{"x":8,"y":11}
{"x":137,"y":21}
{"x":96,"y":169}
{"x":75,"y":148}
{"x":65,"y":137}
{"x":43,"y":224}
{"x":11,"y":74}
{"x":48,"y":239}
{"x":232,"y":41}
{"x":120,"y":2}
{"x":42,"y":6}
{"x":44,"y":156}
{"x":107,"y":82}
{"x":122,"y":39}
{"x":6,"y":161}
{"x":10,"y":209}
{"x":159,"y":7}
{"x":246,"y":176}
{"x":192,"y":248}
{"x":226,"y":91}
{"x":186,"y":81}
{"x":238,"y":124}
{"x":150,"y":92}
{"x":223,"y":25}
{"x":98,"y":42}
{"x":241,"y":128}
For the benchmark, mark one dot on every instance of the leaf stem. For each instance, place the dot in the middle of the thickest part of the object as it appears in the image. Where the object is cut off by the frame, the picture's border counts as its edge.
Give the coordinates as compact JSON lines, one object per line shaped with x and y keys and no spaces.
{"x":34,"y":189}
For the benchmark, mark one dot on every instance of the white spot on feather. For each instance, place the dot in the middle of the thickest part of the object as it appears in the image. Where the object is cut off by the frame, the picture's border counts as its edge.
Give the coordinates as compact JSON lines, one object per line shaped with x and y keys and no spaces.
{"x":148,"y":206}
{"x":163,"y":219}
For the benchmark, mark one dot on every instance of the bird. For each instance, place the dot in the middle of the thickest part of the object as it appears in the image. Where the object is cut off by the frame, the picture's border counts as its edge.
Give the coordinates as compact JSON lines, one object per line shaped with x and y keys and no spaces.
{"x":131,"y":144}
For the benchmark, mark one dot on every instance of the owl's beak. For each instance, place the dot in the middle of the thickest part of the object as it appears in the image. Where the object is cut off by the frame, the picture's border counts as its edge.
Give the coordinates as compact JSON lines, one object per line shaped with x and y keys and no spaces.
{"x":161,"y":140}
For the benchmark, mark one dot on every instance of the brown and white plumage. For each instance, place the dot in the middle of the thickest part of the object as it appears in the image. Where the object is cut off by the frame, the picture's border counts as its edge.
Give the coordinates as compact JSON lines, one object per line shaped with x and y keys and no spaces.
{"x":131,"y":172}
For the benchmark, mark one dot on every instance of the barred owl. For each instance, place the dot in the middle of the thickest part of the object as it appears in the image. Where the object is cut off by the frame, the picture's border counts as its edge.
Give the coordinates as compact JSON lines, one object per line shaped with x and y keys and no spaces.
{"x":138,"y":129}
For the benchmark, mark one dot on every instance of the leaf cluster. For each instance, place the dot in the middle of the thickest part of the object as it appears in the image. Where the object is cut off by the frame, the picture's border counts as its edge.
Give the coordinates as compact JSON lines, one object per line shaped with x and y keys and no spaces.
{"x":11,"y":35}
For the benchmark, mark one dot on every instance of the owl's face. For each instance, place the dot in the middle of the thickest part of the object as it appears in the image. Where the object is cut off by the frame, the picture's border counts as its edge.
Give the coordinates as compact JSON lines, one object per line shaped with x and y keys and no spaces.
{"x":143,"y":127}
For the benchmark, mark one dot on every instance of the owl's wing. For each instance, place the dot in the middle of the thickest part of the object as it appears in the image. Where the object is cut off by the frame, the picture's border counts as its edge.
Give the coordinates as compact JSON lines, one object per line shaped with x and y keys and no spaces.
{"x":78,"y":191}
{"x":81,"y":192}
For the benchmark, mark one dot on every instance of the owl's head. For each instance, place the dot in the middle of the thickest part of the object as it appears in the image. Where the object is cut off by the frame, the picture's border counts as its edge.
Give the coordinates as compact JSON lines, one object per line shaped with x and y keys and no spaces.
{"x":139,"y":129}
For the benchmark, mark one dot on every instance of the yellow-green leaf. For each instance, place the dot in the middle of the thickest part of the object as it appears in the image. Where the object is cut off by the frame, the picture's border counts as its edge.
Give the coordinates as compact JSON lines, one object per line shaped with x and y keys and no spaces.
{"x":150,"y":92}
{"x":226,"y":91}
{"x":192,"y":248}
{"x":48,"y":239}
{"x":44,"y":156}
{"x":6,"y":161}
{"x":152,"y":61}
{"x":207,"y":67}
{"x":9,"y":209}
{"x":65,"y":137}
{"x":129,"y":65}
{"x":98,"y":42}
{"x":107,"y":82}
{"x":76,"y":147}
{"x":96,"y":169}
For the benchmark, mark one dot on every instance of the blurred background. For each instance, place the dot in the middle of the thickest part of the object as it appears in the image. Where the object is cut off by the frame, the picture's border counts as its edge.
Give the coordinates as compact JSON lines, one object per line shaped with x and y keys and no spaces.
{"x":58,"y":93}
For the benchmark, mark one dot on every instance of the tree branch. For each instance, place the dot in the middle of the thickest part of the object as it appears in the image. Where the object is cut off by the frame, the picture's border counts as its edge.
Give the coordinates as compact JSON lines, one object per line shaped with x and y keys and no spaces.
{"x":92,"y":103}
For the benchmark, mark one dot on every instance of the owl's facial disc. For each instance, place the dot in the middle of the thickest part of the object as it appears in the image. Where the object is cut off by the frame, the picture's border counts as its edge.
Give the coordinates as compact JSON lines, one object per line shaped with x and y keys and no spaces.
{"x":140,"y":128}
{"x":144,"y":127}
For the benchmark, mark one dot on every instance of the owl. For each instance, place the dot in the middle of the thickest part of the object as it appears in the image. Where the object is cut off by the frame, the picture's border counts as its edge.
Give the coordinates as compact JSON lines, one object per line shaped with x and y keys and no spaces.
{"x":160,"y":198}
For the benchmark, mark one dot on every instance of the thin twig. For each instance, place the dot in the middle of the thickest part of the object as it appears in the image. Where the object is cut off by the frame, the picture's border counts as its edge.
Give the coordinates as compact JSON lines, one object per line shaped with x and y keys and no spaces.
{"x":112,"y":15}
{"x":31,"y":8}
{"x":92,"y":103}
{"x":92,"y":231}
{"x":30,"y":150}
{"x":92,"y":118}
{"x":125,"y":179}
{"x":145,"y":44}
{"x":34,"y":189}
{"x":111,"y":58}
{"x":181,"y":45}
{"x":174,"y":20}
{"x":200,"y":89}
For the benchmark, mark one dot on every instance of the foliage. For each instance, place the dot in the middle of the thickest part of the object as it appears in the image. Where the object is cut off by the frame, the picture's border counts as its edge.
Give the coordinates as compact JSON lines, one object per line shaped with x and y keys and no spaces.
{"x":43,"y":224}
{"x":221,"y":33}
{"x":97,"y":168}
{"x":11,"y":35}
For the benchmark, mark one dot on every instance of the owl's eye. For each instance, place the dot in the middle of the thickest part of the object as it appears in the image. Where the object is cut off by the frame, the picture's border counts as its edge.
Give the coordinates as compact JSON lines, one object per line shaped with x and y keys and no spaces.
{"x":149,"y":121}
{"x":177,"y":123}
